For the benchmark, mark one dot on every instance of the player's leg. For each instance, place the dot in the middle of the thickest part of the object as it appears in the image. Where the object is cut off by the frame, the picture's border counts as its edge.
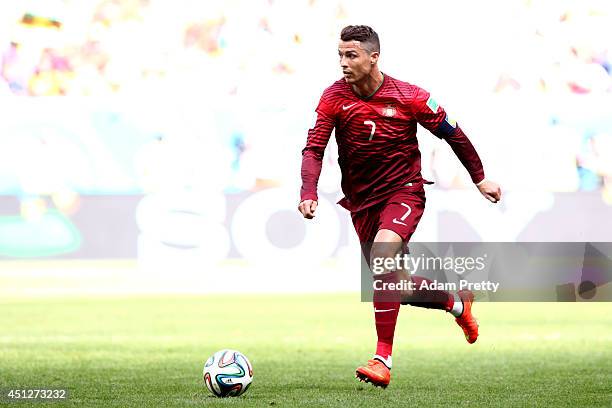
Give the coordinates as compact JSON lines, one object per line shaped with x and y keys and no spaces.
{"x":386,"y":303}
{"x":429,"y":298}
{"x":387,"y":296}
{"x":396,"y":223}
{"x":386,"y":306}
{"x":402,"y":216}
{"x":458,"y":305}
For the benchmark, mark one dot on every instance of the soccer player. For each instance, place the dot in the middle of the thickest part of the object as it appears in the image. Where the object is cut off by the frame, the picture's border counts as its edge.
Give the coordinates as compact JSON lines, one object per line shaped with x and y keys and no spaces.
{"x":375,"y":118}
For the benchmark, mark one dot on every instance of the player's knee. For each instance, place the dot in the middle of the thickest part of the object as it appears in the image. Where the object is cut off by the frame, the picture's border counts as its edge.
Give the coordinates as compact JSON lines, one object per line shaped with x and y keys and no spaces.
{"x":382,"y":257}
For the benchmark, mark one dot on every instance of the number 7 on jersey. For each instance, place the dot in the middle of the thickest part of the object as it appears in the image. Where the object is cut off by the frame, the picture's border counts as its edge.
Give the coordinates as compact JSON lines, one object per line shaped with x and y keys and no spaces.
{"x":371,"y":123}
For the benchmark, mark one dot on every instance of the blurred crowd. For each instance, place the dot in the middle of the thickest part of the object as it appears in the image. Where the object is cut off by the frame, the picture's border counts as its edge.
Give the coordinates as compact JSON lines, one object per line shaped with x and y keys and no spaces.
{"x":258,"y":53}
{"x":562,"y":47}
{"x":127,"y":46}
{"x":96,"y":47}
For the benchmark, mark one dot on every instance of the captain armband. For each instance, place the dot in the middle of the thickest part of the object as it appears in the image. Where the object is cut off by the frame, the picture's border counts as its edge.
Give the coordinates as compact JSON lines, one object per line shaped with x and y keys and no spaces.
{"x":446,"y":128}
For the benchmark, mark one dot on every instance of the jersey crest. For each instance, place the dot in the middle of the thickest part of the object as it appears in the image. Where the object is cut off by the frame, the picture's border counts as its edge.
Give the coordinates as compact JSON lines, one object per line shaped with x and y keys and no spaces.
{"x":389,"y":111}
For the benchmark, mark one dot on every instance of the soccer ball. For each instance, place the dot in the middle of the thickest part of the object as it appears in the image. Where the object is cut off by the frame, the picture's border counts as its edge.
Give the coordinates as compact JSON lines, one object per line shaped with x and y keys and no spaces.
{"x":228,"y":373}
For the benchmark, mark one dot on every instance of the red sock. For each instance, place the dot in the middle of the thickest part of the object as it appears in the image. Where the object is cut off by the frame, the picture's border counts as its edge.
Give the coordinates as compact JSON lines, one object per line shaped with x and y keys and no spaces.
{"x":430,"y":299}
{"x":386,"y":309}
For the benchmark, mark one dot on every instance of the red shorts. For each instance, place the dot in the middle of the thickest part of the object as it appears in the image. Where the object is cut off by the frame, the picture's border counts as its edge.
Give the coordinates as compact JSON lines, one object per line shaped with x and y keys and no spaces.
{"x":400,"y":213}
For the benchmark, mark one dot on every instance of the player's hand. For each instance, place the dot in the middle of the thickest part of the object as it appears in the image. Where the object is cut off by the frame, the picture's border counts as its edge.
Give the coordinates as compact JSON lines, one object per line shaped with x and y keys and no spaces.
{"x":307,"y":208}
{"x":490,"y":190}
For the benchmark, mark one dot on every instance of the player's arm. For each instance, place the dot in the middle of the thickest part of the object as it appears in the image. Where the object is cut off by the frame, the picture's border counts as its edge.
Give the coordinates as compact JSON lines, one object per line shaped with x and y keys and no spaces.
{"x":312,"y":158}
{"x":435,"y":119}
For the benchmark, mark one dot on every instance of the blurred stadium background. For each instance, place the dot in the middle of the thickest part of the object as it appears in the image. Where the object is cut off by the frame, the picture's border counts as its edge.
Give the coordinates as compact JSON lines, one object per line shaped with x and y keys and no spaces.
{"x":154,"y":146}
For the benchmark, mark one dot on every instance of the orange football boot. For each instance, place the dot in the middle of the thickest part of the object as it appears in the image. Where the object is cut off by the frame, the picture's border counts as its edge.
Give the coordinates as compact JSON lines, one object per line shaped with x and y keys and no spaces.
{"x":466,"y":321}
{"x":375,"y":373}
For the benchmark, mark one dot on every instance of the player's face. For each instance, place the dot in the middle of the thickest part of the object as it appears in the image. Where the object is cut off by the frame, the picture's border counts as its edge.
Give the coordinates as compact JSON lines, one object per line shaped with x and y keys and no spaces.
{"x":355,"y":61}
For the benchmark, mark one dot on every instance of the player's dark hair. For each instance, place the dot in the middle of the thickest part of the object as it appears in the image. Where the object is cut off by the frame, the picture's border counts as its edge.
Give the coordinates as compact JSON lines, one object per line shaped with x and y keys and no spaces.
{"x":365,"y":34}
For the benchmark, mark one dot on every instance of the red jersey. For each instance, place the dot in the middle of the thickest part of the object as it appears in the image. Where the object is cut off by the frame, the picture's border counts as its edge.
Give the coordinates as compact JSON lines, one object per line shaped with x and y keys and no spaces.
{"x":378,"y":151}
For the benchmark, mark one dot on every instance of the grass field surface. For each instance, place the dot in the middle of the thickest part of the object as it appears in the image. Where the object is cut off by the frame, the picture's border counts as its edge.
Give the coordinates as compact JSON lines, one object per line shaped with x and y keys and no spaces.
{"x":149,"y":352}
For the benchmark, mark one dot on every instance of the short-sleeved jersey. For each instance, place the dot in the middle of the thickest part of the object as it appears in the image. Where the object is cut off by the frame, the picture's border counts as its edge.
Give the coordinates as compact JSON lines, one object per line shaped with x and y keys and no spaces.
{"x":378,"y":151}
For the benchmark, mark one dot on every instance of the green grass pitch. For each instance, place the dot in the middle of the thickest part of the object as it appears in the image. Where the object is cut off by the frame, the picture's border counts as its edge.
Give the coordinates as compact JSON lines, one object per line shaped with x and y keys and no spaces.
{"x":149,"y":352}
